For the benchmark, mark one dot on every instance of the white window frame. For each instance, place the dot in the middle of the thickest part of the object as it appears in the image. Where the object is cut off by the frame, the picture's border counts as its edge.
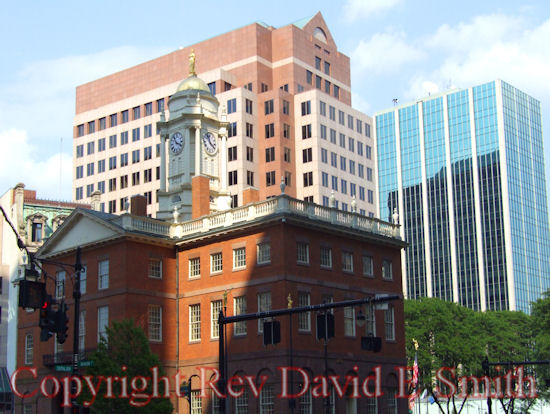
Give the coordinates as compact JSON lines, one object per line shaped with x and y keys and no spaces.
{"x":155,"y":268}
{"x":215,"y":307}
{"x":29,"y":349}
{"x":194,"y":267}
{"x":102,"y":322}
{"x":302,"y":253}
{"x":267,"y":403}
{"x":389,"y":323}
{"x":241,"y":403}
{"x":216,"y":262}
{"x":325,"y":257}
{"x":154,"y":323}
{"x":349,"y":321}
{"x":83,"y":279}
{"x":196,"y":402}
{"x":370,"y":318}
{"x":387,"y":271}
{"x":305,"y":403}
{"x":82,"y":331}
{"x":347,"y":261}
{"x":304,"y":318}
{"x":239,"y":258}
{"x":263,"y":253}
{"x":103,"y":274}
{"x":264,"y":304}
{"x":60,"y":278}
{"x":368,"y":265}
{"x":194,"y":322}
{"x":239,"y":307}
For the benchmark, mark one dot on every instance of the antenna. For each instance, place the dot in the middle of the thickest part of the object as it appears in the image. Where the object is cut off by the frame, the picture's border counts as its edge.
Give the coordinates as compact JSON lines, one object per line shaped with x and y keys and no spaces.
{"x":60,"y":168}
{"x":395,"y":101}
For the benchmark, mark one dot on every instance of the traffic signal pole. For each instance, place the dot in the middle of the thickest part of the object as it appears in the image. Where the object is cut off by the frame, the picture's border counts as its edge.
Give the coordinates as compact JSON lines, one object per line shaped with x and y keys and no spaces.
{"x":76,"y":324}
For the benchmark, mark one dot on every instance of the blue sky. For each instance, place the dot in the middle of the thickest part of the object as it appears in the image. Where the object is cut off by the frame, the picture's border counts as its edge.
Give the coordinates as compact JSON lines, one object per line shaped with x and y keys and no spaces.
{"x":398,"y":49}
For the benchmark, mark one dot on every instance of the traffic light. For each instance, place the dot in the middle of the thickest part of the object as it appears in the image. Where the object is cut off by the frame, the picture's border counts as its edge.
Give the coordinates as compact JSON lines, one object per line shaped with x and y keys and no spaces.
{"x":325,"y":329}
{"x":272,"y":332}
{"x":61,"y":323}
{"x":47,"y":320}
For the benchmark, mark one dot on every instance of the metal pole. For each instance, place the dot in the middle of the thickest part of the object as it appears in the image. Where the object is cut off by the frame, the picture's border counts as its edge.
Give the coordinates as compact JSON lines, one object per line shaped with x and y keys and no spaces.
{"x":76,"y":324}
{"x":326,"y":361}
{"x":292,"y":401}
{"x":221,"y":362}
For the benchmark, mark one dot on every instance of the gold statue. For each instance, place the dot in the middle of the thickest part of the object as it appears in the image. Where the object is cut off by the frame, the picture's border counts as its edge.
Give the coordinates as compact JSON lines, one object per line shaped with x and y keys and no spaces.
{"x":289,"y":301}
{"x":415,"y":342}
{"x":192,"y":63}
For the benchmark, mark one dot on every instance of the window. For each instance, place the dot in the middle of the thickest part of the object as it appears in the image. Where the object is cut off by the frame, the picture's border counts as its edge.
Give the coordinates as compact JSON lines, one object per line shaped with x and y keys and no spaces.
{"x":250,"y":178}
{"x":359,"y":148}
{"x":82,"y":331}
{"x":309,"y":77}
{"x":307,"y":155}
{"x":369,"y":174}
{"x":79,"y":172}
{"x":349,"y":321}
{"x":324,"y":156}
{"x":194,"y":267}
{"x":341,"y":117}
{"x":212,"y":87}
{"x":123,"y":202}
{"x":370,"y":196}
{"x":323,"y":131}
{"x":216,"y":263}
{"x":270,"y":178}
{"x":332,"y":113}
{"x":155,"y":268}
{"x":160,"y":105}
{"x":268,"y":107}
{"x":232,"y":177}
{"x":302,"y":253}
{"x":351,"y":144}
{"x":155,"y":323}
{"x":112,"y":206}
{"x":112,"y":163}
{"x":196,"y":400}
{"x":306,"y":108}
{"x":368,"y":152}
{"x":367,"y":130}
{"x":147,"y":153}
{"x":336,"y":92}
{"x":347,"y":261}
{"x":241,"y":402}
{"x":248,"y":106}
{"x":135,"y":134}
{"x":215,"y":308}
{"x":90,"y":169}
{"x":326,"y":257}
{"x":327,"y":87}
{"x":270,"y":154}
{"x":249,"y":130}
{"x":318,"y":81}
{"x":239,"y":258}
{"x":124,"y":138}
{"x":286,"y":156}
{"x":195,"y":322}
{"x":263,"y":253}
{"x":304,"y":318}
{"x":308,"y":179}
{"x":286,"y":107}
{"x":231,"y":105}
{"x":147,"y":131}
{"x":342,"y":140}
{"x":387,"y":270}
{"x":124,"y":159}
{"x":125,"y":117}
{"x":286,"y":131}
{"x":101,"y":187}
{"x":288,"y":178}
{"x":148,"y":197}
{"x":226,"y":86}
{"x":334,"y":182}
{"x":352,"y":167}
{"x":266,"y":400}
{"x":332,"y":136}
{"x":360,"y":170}
{"x":264,"y":87}
{"x":305,"y":403}
{"x":239,"y":305}
{"x":361,"y":193}
{"x":264,"y":305}
{"x":123,"y":182}
{"x":60,"y":284}
{"x":91,"y":127}
{"x":232,"y":130}
{"x":80,"y":151}
{"x":29,"y":349}
{"x":270,"y":130}
{"x":306,"y":131}
{"x":324,"y":179}
{"x":350,"y":122}
{"x":370,"y":318}
{"x":343,"y":163}
{"x":101,"y":166}
{"x":80,"y":130}
{"x":250,"y":154}
{"x":135,"y":178}
{"x":136,"y":112}
{"x":102,"y":123}
{"x":232,"y":153}
{"x":389,"y":324}
{"x":90,"y":148}
{"x":102,"y":322}
{"x":103,"y":274}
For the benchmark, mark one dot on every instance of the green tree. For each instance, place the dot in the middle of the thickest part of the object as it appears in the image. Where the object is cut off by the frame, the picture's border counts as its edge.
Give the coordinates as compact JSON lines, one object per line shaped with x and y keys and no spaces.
{"x":125,"y":345}
{"x":540,"y":327}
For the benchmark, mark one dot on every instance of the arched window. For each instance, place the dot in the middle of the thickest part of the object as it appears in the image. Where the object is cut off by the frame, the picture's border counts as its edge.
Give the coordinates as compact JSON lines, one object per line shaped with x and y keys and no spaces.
{"x":320,"y":34}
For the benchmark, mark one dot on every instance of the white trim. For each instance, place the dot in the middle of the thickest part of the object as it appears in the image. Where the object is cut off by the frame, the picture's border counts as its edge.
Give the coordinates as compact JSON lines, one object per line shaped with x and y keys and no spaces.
{"x":477,"y":205}
{"x":505,"y":199}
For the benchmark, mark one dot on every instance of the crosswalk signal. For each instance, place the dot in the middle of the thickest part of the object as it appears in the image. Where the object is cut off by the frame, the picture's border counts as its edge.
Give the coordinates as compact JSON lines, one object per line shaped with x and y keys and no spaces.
{"x":272,"y":332}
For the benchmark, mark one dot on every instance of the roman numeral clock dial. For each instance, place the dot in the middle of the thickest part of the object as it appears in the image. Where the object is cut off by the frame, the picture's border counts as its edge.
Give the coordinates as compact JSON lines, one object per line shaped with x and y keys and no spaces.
{"x":210,"y":143}
{"x":176,"y":143}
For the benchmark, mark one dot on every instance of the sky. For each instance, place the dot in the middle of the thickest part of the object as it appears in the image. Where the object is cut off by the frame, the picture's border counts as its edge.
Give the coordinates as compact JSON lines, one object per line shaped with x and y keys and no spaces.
{"x":400,"y":49}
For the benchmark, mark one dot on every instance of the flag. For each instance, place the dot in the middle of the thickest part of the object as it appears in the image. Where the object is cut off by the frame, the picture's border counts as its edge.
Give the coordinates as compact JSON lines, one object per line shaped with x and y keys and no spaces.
{"x":414,"y":382}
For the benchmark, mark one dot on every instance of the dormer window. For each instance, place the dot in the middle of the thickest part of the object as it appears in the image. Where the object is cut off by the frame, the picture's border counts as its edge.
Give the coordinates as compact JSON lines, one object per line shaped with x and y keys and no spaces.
{"x":36,"y":228}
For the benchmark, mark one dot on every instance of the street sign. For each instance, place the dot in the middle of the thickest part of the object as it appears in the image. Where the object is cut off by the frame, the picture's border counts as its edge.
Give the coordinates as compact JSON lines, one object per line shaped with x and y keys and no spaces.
{"x":64,"y":368}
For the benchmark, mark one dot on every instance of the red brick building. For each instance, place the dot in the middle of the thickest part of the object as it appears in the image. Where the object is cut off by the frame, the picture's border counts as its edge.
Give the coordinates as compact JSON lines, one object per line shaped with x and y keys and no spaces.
{"x":172,"y":278}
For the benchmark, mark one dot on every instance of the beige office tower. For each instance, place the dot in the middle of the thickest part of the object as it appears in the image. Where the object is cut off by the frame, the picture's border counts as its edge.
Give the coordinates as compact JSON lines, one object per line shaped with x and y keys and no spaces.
{"x":285,"y":95}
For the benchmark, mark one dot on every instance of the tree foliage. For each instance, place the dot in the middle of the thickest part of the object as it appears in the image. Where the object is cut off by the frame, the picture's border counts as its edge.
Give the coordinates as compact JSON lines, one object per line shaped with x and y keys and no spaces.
{"x":125,"y":345}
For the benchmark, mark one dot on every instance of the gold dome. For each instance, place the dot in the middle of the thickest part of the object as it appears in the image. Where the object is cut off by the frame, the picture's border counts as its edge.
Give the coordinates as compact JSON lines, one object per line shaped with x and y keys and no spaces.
{"x":193,"y":83}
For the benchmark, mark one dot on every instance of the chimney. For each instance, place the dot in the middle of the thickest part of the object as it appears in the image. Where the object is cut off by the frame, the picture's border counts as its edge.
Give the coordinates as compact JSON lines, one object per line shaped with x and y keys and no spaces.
{"x":96,"y":200}
{"x":200,"y":196}
{"x":138,"y":205}
{"x":250,"y":195}
{"x":19,"y":199}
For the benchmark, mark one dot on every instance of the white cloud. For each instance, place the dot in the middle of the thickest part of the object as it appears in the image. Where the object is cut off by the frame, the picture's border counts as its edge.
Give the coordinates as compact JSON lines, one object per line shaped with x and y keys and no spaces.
{"x":20,"y":161}
{"x":384,"y":53}
{"x":358,"y":9}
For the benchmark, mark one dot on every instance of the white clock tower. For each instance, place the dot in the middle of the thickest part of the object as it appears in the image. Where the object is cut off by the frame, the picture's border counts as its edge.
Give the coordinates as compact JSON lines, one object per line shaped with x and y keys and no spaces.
{"x":196,"y":143}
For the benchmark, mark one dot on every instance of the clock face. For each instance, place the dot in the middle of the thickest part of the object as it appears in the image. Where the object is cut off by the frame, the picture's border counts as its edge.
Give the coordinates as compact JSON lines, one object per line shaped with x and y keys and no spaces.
{"x":210,"y":143}
{"x":176,"y":142}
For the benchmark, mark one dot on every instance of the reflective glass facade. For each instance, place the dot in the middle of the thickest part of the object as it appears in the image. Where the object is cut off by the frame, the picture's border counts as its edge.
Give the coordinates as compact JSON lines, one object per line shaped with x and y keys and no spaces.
{"x":469,"y":168}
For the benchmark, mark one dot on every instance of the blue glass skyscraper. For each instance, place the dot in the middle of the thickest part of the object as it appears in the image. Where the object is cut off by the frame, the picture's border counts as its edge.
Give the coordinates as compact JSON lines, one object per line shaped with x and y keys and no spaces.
{"x":465,"y":172}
